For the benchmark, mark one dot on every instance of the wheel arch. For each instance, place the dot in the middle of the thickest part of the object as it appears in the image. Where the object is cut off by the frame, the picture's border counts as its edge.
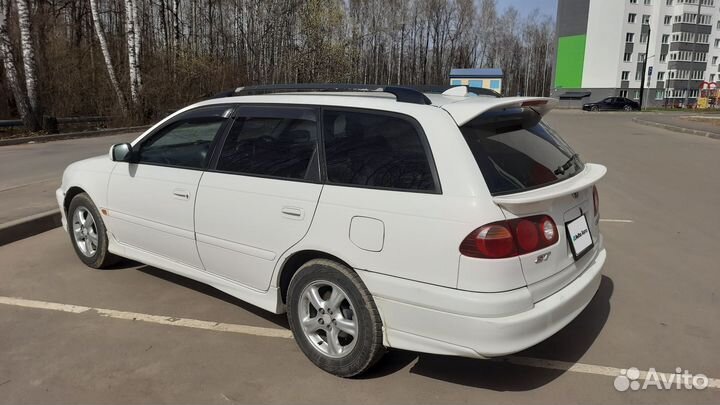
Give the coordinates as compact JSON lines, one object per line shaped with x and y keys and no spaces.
{"x":69,"y":195}
{"x":293,"y":263}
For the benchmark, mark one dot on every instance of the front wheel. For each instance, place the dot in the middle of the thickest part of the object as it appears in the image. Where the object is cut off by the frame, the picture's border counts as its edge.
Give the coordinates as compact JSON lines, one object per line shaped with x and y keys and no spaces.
{"x":334,"y":318}
{"x":88,"y":234}
{"x":628,"y":108}
{"x":594,"y":108}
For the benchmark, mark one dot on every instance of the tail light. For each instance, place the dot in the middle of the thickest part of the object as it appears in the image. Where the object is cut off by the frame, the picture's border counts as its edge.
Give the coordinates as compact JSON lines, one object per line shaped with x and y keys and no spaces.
{"x":596,"y":202}
{"x":510,"y":238}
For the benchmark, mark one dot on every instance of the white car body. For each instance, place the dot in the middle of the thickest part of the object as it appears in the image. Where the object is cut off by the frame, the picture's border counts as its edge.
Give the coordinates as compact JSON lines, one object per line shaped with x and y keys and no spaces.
{"x":240,"y":233}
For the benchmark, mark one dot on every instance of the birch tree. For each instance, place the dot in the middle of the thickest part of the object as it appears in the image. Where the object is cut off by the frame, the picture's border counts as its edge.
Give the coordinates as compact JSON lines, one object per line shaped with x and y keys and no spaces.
{"x":29,"y":66}
{"x":8,"y":60}
{"x":106,"y":55}
{"x":134,"y":69}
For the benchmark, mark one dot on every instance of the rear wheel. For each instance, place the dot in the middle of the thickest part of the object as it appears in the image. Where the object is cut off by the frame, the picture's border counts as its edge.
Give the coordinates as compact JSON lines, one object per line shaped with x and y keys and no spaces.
{"x":628,"y":108}
{"x":88,"y":234}
{"x":334,"y":318}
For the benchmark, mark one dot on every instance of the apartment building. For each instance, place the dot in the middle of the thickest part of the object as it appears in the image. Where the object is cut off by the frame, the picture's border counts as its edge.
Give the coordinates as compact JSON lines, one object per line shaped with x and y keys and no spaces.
{"x":602,"y":44}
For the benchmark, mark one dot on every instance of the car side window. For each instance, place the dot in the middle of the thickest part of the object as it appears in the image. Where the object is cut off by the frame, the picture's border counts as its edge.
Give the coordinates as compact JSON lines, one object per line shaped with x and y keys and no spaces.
{"x":375,"y":150}
{"x":271,"y":141}
{"x":185,"y":142}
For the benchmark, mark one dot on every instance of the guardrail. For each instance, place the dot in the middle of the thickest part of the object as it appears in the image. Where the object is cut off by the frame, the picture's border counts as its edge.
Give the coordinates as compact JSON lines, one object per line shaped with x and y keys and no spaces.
{"x":62,"y":120}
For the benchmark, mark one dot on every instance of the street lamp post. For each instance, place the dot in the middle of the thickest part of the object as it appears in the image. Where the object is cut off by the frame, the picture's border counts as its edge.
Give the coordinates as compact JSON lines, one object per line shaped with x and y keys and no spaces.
{"x":644,"y":68}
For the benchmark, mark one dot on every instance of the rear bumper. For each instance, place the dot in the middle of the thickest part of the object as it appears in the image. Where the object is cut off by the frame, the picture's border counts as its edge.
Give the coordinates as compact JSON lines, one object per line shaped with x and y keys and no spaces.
{"x":452,"y":332}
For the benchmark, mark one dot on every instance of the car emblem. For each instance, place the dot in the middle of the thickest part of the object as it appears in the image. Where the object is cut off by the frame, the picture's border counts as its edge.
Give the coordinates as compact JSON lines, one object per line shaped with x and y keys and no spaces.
{"x":576,"y":195}
{"x":542,"y":258}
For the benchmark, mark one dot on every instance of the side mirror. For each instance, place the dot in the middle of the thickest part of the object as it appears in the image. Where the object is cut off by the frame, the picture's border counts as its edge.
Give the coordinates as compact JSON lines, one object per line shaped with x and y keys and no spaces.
{"x":121,"y":152}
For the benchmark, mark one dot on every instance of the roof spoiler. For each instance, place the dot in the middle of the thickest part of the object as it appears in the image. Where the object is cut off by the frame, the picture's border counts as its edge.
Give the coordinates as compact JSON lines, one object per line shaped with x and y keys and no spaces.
{"x":466,"y":110}
{"x":591,"y":174}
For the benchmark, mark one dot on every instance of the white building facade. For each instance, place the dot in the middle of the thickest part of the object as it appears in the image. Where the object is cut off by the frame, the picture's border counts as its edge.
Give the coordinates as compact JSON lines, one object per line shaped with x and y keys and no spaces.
{"x":602,"y":45}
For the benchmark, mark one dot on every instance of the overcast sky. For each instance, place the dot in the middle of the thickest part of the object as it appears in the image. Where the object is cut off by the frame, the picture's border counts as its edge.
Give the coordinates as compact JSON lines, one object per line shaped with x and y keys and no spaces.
{"x":526,"y":7}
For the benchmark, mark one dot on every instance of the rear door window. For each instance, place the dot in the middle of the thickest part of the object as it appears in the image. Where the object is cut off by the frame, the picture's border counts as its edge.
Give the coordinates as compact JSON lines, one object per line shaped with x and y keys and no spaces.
{"x":377,"y":151}
{"x":517,"y":152}
{"x":270,"y":141}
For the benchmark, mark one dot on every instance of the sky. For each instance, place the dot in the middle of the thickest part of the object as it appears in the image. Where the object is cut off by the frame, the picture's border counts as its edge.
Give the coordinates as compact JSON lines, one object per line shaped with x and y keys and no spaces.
{"x":526,"y":7}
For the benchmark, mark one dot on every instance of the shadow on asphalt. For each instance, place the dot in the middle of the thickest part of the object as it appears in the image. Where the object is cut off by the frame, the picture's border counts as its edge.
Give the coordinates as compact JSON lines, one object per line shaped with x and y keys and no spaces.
{"x":279,"y":320}
{"x":568,"y":345}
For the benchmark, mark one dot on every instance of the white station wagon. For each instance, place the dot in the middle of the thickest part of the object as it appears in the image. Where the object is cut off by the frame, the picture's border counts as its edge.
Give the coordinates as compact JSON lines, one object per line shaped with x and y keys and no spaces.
{"x":453,"y":223}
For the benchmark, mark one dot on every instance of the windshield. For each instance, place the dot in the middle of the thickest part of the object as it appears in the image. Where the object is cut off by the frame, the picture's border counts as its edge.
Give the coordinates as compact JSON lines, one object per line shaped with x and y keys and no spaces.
{"x":517,"y":152}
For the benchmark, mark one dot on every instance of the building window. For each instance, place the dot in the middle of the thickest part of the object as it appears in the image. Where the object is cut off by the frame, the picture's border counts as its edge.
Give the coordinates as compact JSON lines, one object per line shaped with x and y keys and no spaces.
{"x":718,"y":25}
{"x":645,"y":19}
{"x":665,"y":38}
{"x":623,"y":93}
{"x":661,"y":76}
{"x":712,"y":77}
{"x":660,"y":94}
{"x":636,"y":94}
{"x":625,"y":75}
{"x":641,"y":57}
{"x":717,"y":43}
{"x":663,"y":57}
{"x":668,"y":2}
{"x":648,"y":2}
{"x":714,"y":60}
{"x":633,"y":1}
{"x":643,"y":38}
{"x":667,"y":20}
{"x":631,"y":18}
{"x":638,"y":74}
{"x":629,"y":37}
{"x":627,"y":57}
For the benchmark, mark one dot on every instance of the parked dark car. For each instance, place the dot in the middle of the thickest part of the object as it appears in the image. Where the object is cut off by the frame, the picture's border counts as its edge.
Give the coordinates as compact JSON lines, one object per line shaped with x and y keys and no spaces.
{"x":612,"y":104}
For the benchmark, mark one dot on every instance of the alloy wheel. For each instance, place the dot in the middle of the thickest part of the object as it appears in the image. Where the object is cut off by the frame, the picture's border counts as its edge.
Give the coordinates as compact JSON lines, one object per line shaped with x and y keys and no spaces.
{"x":327,"y":318}
{"x":85,"y":231}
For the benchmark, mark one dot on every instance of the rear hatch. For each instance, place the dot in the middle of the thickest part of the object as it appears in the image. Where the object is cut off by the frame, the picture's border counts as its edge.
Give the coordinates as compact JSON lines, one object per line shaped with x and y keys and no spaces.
{"x":531,"y":171}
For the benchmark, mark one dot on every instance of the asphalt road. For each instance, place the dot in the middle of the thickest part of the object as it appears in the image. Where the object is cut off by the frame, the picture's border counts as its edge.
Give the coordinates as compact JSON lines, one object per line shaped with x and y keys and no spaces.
{"x":657,"y":307}
{"x":30,"y":173}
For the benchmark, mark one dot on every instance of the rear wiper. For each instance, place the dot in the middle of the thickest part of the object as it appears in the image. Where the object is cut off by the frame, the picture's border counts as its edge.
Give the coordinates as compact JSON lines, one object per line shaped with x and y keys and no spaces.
{"x":563,"y":168}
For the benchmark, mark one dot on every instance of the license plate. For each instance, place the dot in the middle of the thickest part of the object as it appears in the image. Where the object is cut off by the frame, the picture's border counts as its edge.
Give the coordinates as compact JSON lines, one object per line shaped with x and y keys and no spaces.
{"x":579,"y":236}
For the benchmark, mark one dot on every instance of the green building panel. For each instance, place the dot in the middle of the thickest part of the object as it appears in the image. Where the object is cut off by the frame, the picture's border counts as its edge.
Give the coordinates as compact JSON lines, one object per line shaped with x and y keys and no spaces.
{"x":570,"y":60}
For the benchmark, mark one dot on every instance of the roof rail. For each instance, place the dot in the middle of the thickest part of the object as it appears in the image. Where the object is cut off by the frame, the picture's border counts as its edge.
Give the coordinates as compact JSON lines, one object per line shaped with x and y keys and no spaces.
{"x":402,"y":94}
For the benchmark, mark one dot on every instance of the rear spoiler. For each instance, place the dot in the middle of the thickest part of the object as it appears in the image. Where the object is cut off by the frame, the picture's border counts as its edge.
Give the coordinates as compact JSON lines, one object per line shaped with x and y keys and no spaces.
{"x":465,"y":110}
{"x":590,"y":175}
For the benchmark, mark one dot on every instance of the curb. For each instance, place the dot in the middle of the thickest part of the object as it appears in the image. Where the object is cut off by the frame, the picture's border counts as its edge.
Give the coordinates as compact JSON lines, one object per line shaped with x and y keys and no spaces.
{"x":70,"y":135}
{"x":676,"y":128}
{"x":29,"y":226}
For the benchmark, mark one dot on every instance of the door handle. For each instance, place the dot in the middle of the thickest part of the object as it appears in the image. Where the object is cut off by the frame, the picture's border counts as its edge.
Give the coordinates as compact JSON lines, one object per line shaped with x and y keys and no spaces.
{"x":293,"y":212}
{"x":181,"y":194}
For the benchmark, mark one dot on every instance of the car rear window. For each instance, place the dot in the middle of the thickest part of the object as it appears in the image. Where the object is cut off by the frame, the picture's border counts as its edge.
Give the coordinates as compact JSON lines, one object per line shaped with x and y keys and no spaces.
{"x":516,"y":151}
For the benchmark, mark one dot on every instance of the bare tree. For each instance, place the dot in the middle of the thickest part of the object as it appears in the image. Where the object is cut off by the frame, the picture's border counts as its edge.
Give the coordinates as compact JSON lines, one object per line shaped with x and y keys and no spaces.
{"x":133,"y":64}
{"x":106,"y":56}
{"x":29,"y":65}
{"x":9,"y":63}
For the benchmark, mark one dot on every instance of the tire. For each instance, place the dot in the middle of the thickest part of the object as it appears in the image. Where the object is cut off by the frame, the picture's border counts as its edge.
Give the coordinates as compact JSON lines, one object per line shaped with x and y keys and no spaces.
{"x":594,"y":108}
{"x":628,"y":108}
{"x":350,"y":355}
{"x":88,"y":234}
